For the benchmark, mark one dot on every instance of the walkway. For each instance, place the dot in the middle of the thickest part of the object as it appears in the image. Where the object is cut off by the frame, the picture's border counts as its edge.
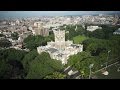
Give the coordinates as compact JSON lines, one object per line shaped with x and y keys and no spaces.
{"x":105,"y":67}
{"x":72,"y":74}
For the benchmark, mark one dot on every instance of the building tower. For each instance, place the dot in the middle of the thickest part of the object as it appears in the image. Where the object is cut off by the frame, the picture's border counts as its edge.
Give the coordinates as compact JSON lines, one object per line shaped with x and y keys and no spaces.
{"x":59,"y":39}
{"x":116,"y":19}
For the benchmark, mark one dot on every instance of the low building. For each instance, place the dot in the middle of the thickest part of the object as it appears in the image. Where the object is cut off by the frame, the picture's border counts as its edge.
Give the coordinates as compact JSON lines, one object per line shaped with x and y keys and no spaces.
{"x":93,"y":28}
{"x":117,"y":31}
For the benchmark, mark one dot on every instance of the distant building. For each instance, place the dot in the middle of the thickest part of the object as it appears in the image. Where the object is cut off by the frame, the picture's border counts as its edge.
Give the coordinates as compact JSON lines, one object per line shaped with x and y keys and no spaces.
{"x":38,"y":29}
{"x":17,"y":22}
{"x":22,"y":37}
{"x":117,"y":31}
{"x":12,"y":24}
{"x":60,"y":49}
{"x":93,"y":28}
{"x":37,"y":24}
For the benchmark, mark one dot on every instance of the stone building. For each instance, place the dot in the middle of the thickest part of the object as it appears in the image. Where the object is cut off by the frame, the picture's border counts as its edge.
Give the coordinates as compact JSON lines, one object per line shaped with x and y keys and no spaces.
{"x":60,"y":49}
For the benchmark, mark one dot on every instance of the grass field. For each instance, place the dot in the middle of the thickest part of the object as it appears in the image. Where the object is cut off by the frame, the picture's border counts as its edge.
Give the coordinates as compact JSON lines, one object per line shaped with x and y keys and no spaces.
{"x":79,"y":39}
{"x":113,"y":73}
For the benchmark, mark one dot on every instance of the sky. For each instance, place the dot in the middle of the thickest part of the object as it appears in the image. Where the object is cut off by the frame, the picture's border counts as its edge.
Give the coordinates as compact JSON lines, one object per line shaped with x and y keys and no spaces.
{"x":4,"y":14}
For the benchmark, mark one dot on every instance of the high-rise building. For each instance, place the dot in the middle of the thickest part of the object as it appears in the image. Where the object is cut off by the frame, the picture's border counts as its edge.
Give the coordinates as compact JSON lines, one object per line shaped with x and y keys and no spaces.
{"x":38,"y":29}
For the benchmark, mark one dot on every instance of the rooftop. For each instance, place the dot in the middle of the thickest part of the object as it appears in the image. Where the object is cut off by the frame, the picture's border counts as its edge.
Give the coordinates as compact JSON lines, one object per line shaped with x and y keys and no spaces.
{"x":73,"y":45}
{"x":52,"y":50}
{"x":118,"y":31}
{"x":60,"y":55}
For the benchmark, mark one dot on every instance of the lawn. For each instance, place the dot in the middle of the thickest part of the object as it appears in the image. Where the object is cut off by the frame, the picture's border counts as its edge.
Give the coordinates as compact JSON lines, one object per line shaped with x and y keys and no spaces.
{"x":79,"y":39}
{"x":113,"y":73}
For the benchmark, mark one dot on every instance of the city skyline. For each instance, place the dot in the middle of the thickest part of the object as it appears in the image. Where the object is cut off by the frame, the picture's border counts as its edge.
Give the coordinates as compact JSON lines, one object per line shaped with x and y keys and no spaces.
{"x":19,"y":14}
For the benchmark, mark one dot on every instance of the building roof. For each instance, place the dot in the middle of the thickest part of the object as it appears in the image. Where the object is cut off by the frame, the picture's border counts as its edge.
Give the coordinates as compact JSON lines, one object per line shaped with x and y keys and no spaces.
{"x":60,"y":55}
{"x":118,"y":31}
{"x":52,"y":50}
{"x":73,"y":45}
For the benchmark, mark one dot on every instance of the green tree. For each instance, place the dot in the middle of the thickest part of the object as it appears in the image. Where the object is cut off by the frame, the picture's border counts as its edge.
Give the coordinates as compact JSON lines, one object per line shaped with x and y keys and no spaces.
{"x":82,"y":61}
{"x":75,"y":60}
{"x":96,"y":46}
{"x":11,"y":64}
{"x":32,"y":42}
{"x":78,"y":57}
{"x":56,"y":75}
{"x":98,"y":34}
{"x":4,"y":43}
{"x":17,"y":70}
{"x":14,"y":36}
{"x":29,"y":57}
{"x":5,"y":70}
{"x":1,"y":35}
{"x":72,"y":32}
{"x":11,"y":69}
{"x":105,"y":33}
{"x":43,"y":65}
{"x":13,"y":54}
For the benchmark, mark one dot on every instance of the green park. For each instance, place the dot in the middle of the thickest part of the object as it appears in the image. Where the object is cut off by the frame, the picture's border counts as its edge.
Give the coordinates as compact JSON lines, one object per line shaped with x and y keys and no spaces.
{"x":99,"y":47}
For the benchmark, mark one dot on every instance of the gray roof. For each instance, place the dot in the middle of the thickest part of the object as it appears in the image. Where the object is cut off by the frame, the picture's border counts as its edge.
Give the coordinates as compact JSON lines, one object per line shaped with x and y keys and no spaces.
{"x":68,"y":69}
{"x":73,"y":45}
{"x":52,"y":50}
{"x":60,"y":55}
{"x":118,"y":31}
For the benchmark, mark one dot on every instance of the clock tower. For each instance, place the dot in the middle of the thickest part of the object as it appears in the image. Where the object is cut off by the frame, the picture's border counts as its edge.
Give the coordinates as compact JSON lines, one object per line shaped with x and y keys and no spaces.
{"x":59,"y":39}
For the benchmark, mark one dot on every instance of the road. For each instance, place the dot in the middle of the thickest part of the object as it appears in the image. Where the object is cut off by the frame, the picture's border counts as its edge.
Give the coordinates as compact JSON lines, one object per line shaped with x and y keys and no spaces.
{"x":105,"y":67}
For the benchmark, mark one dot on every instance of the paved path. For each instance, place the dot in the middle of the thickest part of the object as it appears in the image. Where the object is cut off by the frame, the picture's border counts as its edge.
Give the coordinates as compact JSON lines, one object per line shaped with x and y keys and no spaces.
{"x":71,"y":73}
{"x":105,"y":67}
